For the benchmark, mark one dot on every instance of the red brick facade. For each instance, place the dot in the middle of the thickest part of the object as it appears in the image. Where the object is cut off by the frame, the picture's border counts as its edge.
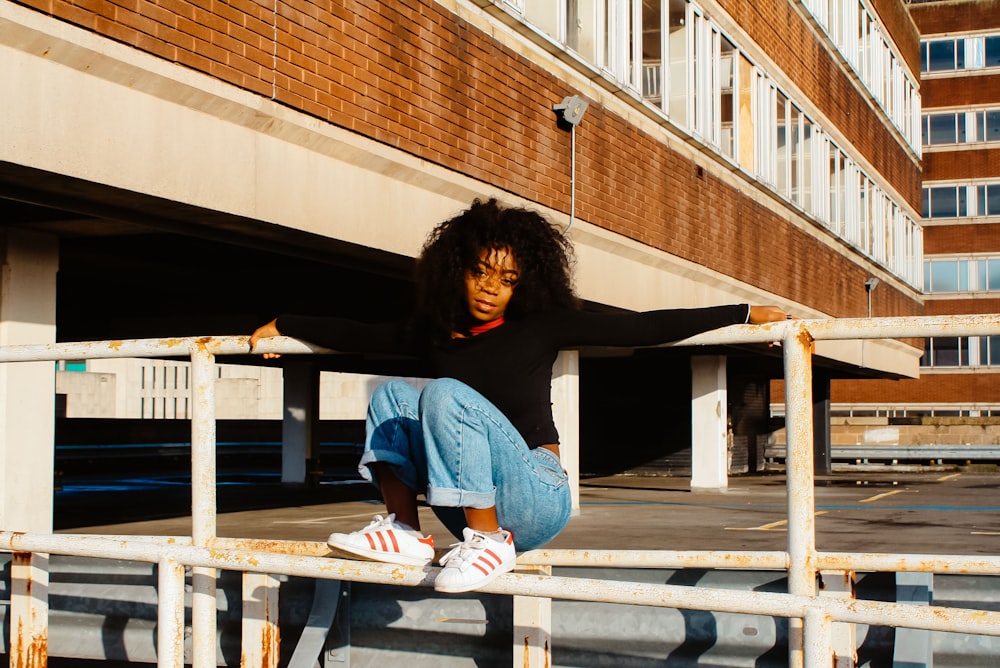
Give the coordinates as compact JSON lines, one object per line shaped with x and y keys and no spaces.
{"x":948,"y":239}
{"x":415,"y":76}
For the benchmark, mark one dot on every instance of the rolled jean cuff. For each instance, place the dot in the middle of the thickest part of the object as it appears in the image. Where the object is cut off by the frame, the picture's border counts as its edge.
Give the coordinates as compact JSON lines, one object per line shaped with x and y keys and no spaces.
{"x":401,"y":465}
{"x":459,"y":498}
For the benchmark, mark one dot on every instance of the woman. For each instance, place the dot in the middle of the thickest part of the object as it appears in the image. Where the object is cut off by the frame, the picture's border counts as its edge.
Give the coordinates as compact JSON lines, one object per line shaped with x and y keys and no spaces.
{"x":495,"y":304}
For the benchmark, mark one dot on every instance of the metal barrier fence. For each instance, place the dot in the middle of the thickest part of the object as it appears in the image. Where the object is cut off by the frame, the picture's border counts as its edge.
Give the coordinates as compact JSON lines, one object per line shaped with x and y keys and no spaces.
{"x":811,"y":616}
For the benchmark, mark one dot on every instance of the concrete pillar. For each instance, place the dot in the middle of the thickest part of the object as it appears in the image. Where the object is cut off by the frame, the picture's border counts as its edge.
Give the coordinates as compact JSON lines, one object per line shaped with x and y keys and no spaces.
{"x":28,"y":264}
{"x":300,"y":418}
{"x":566,"y":412}
{"x":27,"y":389}
{"x":709,"y":442}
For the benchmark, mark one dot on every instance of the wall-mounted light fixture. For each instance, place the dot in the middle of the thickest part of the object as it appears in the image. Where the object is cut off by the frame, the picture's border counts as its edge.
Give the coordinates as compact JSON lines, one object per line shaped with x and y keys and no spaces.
{"x":869,"y":286}
{"x":570,"y":112}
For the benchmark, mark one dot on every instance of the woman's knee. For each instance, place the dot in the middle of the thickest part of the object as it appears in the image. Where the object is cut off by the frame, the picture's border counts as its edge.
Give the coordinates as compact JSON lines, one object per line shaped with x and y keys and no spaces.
{"x":442,"y":390}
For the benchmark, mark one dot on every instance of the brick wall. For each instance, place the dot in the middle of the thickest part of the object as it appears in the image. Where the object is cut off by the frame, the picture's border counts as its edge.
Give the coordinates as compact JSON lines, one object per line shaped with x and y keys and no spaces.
{"x":964,"y":16}
{"x":969,"y":164}
{"x":978,"y":238}
{"x":962,"y":388}
{"x":960,"y":91}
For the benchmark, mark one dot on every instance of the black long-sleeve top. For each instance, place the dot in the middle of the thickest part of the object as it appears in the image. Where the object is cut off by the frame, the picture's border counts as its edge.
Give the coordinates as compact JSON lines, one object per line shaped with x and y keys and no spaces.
{"x":511,"y":365}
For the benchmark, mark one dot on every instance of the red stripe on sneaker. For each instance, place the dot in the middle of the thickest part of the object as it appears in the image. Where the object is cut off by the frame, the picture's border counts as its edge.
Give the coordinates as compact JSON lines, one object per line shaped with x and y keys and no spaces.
{"x":392,"y":537}
{"x":371,"y":541}
{"x":485,"y":565}
{"x":381,"y":540}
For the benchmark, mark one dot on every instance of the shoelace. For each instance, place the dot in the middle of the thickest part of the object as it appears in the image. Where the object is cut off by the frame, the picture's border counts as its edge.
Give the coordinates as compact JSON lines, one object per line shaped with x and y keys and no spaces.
{"x":466,"y":552}
{"x":380,"y":523}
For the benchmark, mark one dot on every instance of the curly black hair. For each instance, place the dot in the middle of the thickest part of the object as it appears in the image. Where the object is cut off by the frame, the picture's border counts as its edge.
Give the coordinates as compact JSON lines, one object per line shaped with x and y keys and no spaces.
{"x":544,"y":258}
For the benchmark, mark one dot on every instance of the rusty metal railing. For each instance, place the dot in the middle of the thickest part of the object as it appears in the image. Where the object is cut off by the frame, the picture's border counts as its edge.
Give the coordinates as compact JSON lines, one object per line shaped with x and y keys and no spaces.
{"x":811,"y":617}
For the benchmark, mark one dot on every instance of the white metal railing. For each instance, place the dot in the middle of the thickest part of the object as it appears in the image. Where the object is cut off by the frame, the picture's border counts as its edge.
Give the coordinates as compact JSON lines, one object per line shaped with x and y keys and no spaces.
{"x":811,"y":617}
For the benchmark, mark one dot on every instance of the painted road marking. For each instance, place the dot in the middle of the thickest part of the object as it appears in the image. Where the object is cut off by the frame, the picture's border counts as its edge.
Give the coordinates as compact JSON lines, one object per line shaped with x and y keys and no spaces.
{"x":949,"y":477}
{"x":885,"y":494}
{"x":768,"y":527}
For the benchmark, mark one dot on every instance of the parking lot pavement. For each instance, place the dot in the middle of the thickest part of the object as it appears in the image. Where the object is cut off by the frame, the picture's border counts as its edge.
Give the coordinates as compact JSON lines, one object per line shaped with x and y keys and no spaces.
{"x":935,"y":512}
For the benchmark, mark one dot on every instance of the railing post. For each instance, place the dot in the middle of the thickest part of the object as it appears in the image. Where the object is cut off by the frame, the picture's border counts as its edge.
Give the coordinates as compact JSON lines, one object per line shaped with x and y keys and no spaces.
{"x":29,"y":610}
{"x":260,"y":621}
{"x":819,"y":639}
{"x":170,"y":614}
{"x":533,"y":626}
{"x":203,"y":506}
{"x":799,"y":478}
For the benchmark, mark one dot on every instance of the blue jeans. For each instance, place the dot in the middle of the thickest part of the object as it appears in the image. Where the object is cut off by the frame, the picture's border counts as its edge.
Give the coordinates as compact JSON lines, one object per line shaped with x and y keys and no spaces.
{"x":451,"y":443}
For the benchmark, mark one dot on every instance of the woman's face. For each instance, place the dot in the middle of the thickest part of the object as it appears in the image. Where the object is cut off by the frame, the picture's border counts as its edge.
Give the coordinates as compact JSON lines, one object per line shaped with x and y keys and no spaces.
{"x":490,"y":284}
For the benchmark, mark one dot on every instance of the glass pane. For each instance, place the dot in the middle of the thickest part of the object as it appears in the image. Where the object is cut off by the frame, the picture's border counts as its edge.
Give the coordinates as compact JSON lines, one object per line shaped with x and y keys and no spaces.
{"x":678,"y":54}
{"x":941,"y":56}
{"x":993,"y":277}
{"x":925,"y":359}
{"x":990,"y":131}
{"x":927,"y":276}
{"x":992,"y":51}
{"x":781,"y":143}
{"x":545,"y":15}
{"x":960,"y":127}
{"x":944,"y":202}
{"x":652,"y":52}
{"x":945,"y":351}
{"x":992,"y":358}
{"x":926,"y":208}
{"x":960,"y":54}
{"x":794,"y":151}
{"x":944,"y":276}
{"x":727,"y":101}
{"x":982,"y":274}
{"x":581,"y":27}
{"x":963,"y":275}
{"x":942,"y":129}
{"x":991,"y":204}
{"x":923,"y":56}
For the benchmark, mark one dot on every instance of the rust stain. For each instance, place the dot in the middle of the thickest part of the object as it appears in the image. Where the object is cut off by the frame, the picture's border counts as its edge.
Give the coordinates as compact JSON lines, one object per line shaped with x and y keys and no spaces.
{"x":806,"y":340}
{"x":30,"y":652}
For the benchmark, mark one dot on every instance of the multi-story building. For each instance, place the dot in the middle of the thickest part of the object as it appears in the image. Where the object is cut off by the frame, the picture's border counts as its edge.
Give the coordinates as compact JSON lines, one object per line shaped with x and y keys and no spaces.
{"x":193,"y":168}
{"x":960,"y":134}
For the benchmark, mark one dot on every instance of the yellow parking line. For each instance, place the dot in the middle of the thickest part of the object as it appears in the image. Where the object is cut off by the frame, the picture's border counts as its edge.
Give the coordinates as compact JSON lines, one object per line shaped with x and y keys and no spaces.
{"x":767,"y":527}
{"x":949,"y":477}
{"x":883,"y":495}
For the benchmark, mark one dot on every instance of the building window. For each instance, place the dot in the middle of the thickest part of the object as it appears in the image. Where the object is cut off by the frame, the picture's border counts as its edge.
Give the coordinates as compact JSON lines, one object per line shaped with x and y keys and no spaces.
{"x":960,"y":127}
{"x":988,"y":274}
{"x":946,"y":352}
{"x":672,"y":55}
{"x":969,"y":274}
{"x":961,"y":352}
{"x":972,"y":52}
{"x":961,"y":201}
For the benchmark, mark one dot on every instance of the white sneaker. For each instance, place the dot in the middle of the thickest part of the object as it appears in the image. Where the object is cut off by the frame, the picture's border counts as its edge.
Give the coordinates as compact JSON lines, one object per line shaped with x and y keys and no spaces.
{"x":386,"y":540}
{"x":475,"y":562}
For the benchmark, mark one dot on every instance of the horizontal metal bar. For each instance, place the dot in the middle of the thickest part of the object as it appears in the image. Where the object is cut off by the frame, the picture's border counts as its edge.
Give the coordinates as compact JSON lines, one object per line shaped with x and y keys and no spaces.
{"x":751,"y":560}
{"x":822,"y":329}
{"x":918,"y":452}
{"x":774,"y":604}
